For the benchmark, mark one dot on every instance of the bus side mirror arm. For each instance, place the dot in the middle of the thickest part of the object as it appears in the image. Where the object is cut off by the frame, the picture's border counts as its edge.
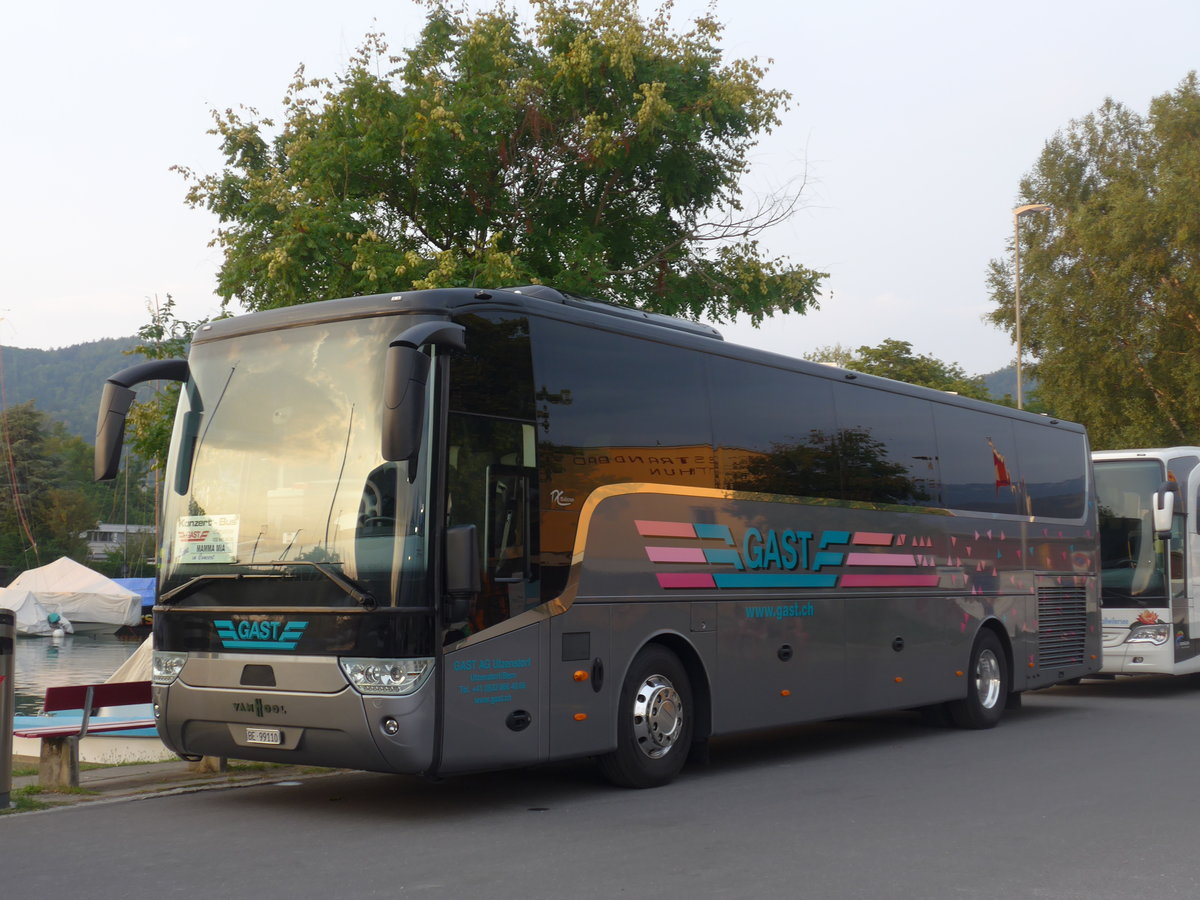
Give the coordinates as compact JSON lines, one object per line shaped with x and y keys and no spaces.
{"x":115,"y":401}
{"x":462,"y":570}
{"x":1164,"y":509}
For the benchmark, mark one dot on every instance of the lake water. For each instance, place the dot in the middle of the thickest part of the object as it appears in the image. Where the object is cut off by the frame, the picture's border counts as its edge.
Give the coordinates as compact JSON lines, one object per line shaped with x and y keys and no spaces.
{"x":43,"y":662}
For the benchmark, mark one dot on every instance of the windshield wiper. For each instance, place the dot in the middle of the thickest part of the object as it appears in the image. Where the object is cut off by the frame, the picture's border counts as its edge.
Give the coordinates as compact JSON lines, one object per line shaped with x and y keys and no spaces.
{"x":192,"y":583}
{"x":354,"y":591}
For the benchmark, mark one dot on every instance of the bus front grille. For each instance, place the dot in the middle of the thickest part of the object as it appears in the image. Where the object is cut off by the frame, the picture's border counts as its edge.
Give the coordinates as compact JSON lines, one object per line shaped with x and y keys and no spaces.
{"x":1062,"y":626}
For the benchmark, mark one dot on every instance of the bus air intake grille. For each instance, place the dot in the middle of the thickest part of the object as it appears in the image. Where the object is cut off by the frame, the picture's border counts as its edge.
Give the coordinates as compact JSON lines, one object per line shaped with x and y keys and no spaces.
{"x":1062,"y":626}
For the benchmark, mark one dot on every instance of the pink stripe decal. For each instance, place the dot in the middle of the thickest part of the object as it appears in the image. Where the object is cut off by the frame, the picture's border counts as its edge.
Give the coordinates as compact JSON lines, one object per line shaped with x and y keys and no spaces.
{"x":665,"y":529}
{"x":676,"y":555}
{"x":872,"y":538}
{"x":850,"y":581}
{"x":880,"y":559}
{"x":690,"y":580}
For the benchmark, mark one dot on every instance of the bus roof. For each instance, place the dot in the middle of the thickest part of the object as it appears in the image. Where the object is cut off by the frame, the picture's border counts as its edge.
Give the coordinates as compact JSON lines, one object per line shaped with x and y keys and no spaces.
{"x":539,"y":299}
{"x":1162,"y":453}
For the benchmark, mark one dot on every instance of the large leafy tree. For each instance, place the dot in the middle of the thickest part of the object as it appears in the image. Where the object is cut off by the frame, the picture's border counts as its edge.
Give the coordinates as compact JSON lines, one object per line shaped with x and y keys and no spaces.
{"x":593,"y":149}
{"x":1110,"y":276}
{"x":896,"y":359}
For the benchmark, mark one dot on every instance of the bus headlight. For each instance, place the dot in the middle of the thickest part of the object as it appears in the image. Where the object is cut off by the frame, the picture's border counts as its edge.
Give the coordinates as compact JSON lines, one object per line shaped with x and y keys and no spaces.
{"x":1149,"y":634}
{"x":165,"y":666}
{"x":394,"y":677}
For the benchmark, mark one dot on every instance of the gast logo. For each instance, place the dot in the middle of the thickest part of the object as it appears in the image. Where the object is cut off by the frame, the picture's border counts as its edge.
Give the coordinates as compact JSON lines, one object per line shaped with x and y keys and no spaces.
{"x":248,"y":634}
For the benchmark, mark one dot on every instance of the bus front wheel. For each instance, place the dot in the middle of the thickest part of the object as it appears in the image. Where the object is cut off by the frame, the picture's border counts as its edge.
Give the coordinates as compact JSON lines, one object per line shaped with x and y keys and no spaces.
{"x":654,"y":722}
{"x":987,"y":687}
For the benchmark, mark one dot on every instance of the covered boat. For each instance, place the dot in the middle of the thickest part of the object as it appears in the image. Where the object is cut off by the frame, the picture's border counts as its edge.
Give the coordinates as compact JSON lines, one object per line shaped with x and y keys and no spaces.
{"x":90,"y":600}
{"x":33,"y":619}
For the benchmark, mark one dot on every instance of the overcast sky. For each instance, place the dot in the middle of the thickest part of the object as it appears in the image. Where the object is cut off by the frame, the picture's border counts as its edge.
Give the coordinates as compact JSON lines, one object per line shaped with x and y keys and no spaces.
{"x":911,"y":121}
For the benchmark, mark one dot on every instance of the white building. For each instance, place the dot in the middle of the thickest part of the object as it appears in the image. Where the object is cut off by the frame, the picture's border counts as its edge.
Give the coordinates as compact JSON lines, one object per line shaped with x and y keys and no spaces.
{"x":108,"y":537}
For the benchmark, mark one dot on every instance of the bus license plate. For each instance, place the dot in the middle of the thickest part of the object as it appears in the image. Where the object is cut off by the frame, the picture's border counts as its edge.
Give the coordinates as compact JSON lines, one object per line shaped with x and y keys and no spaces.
{"x":263,"y":736}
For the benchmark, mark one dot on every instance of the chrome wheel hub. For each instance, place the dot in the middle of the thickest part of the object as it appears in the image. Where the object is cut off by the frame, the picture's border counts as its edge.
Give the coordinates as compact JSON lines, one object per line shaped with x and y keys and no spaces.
{"x":657,"y":716}
{"x":987,"y":679}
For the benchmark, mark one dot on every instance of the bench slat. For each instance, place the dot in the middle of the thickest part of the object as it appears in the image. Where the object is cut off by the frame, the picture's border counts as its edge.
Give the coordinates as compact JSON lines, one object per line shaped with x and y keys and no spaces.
{"x":94,"y":727}
{"x":118,"y":693}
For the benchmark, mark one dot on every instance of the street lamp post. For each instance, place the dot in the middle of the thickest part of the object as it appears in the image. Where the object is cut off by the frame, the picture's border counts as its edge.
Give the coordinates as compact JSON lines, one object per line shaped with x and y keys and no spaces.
{"x":1017,"y":213}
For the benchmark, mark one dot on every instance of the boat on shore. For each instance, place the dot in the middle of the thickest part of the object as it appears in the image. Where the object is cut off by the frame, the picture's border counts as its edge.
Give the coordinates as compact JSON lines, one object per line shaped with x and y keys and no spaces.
{"x":92,"y":602}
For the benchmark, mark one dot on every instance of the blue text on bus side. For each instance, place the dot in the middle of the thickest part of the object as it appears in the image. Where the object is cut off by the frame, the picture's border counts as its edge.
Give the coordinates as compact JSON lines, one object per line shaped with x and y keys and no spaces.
{"x":789,"y":549}
{"x":776,"y":549}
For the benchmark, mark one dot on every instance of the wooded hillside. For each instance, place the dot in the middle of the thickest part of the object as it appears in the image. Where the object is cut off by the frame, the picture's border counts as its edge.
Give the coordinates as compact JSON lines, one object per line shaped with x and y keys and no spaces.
{"x":65,"y":383}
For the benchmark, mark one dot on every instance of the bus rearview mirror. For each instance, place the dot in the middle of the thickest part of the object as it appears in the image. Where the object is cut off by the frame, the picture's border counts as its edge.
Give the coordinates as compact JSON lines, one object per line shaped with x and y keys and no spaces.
{"x":405,"y":374}
{"x":1164,"y":510}
{"x":110,"y":429}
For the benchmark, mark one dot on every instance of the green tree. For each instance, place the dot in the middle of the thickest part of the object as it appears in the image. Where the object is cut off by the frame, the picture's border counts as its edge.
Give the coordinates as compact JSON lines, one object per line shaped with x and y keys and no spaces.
{"x":150,"y":421}
{"x":896,"y":360}
{"x":47,"y":499}
{"x":593,"y":150}
{"x":1110,"y":277}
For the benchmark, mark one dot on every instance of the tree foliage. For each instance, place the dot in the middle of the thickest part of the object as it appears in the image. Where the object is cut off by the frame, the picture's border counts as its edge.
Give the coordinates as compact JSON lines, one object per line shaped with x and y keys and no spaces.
{"x":48,"y":500}
{"x":150,"y":420}
{"x":896,"y":360}
{"x":1110,"y":277}
{"x":592,"y":149}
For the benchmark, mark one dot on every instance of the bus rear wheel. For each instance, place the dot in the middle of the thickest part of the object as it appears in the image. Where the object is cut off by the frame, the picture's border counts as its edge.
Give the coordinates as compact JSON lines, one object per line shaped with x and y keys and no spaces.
{"x":988,"y":685}
{"x":654,"y":722}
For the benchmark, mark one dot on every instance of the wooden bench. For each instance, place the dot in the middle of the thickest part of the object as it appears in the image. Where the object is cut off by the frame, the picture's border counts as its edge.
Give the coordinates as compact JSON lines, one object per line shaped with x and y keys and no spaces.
{"x":58,"y":766}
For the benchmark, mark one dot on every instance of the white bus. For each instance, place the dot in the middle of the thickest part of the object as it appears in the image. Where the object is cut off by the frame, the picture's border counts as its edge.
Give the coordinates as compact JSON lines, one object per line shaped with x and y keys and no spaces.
{"x":1149,"y":560}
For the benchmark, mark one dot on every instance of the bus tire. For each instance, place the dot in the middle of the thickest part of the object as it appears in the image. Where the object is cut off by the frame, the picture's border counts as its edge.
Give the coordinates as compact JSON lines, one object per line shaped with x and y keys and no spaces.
{"x":654,"y":722}
{"x":988,"y":685}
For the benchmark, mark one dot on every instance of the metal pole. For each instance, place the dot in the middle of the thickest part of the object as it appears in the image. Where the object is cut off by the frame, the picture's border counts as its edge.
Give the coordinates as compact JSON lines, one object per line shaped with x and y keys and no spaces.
{"x":8,"y":669}
{"x":1017,"y":299}
{"x":1017,"y":213}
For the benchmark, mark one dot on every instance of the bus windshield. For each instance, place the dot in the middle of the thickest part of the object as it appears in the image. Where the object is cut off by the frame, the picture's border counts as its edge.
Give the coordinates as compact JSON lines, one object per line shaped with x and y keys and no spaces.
{"x":278,"y":477}
{"x":1131,"y":560}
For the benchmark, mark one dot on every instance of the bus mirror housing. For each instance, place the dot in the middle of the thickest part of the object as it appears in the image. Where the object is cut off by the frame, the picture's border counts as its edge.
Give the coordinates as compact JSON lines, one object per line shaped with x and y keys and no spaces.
{"x":1164,"y":509}
{"x":462,"y":569}
{"x":115,"y":401}
{"x":405,"y":374}
{"x":406,"y":371}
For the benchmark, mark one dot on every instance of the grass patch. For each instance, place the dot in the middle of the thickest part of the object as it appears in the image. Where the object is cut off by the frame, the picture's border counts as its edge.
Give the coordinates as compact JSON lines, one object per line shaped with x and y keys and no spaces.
{"x":38,"y":789}
{"x":23,"y":800}
{"x":253,"y":766}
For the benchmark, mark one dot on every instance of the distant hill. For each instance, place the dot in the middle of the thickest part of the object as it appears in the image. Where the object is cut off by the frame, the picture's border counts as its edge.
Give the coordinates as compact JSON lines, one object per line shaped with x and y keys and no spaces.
{"x":1004,"y":381}
{"x":65,"y":383}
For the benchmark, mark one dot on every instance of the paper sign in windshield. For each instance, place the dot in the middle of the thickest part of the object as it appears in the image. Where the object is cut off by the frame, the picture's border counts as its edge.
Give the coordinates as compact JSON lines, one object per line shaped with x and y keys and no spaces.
{"x":206,"y":539}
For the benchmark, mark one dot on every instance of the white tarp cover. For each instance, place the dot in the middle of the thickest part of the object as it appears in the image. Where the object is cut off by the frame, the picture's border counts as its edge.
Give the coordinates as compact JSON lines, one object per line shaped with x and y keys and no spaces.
{"x":137,"y":667}
{"x":31,"y":616}
{"x":75,"y":591}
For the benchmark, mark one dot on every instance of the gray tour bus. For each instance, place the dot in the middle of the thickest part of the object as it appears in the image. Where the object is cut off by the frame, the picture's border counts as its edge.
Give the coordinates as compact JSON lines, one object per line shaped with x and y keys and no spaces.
{"x":460,"y":529}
